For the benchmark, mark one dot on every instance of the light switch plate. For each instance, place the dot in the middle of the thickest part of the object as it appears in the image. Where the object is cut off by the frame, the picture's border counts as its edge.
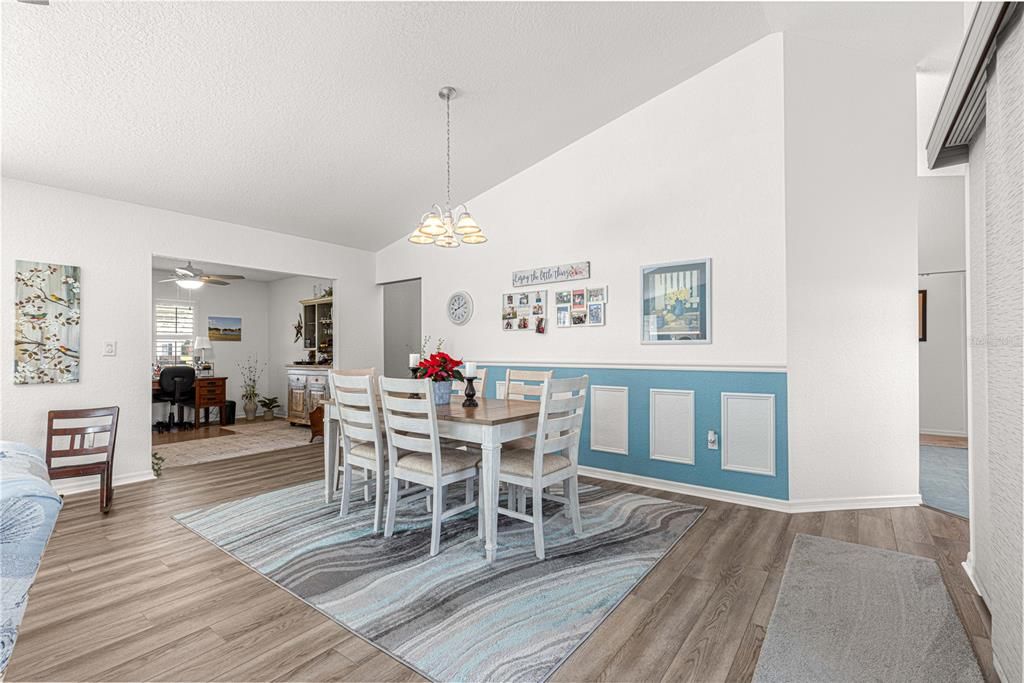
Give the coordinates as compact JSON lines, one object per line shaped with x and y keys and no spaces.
{"x":712,"y":440}
{"x":110,"y":348}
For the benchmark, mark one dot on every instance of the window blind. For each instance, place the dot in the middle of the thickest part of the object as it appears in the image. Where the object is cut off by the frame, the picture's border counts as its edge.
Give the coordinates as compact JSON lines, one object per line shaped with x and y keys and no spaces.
{"x":175,"y":326}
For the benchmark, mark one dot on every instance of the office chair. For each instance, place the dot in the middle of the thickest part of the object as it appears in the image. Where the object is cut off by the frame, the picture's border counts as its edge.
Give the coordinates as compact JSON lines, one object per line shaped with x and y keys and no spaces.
{"x":177,"y":386}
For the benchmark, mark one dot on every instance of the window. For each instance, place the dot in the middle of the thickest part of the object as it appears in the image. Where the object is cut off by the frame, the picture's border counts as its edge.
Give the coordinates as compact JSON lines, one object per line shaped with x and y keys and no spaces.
{"x":174,"y":328}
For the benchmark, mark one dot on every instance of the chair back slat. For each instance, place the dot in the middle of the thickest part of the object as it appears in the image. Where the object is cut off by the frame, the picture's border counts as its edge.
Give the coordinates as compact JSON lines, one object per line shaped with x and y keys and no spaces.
{"x":411,"y":422}
{"x":81,"y":439}
{"x":356,"y":399}
{"x":525,"y":384}
{"x":561,"y":419}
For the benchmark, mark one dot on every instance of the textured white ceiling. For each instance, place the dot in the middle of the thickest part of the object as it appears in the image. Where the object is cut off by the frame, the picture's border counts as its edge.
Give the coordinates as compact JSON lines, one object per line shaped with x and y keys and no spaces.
{"x":322,"y":119}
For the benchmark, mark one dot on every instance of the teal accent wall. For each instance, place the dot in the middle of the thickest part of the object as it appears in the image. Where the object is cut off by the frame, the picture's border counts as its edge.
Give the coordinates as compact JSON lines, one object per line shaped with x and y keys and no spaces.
{"x":707,"y":386}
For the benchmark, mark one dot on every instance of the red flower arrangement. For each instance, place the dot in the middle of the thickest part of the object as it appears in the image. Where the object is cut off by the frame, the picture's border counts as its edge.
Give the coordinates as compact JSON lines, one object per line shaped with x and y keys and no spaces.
{"x":440,"y":367}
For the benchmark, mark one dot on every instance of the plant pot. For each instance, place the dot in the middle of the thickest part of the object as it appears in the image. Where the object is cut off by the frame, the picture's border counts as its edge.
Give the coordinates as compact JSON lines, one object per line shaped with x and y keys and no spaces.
{"x":268,"y":414}
{"x":442,"y":393}
{"x":250,"y":410}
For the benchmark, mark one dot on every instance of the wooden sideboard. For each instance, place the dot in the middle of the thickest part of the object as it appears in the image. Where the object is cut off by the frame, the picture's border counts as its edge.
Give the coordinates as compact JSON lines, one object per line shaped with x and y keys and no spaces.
{"x":307,"y":388}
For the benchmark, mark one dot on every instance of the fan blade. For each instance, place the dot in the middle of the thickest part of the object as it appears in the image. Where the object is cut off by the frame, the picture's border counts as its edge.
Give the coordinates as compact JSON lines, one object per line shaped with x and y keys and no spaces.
{"x":225,"y":277}
{"x":173,"y":279}
{"x":184,"y":272}
{"x":211,"y":281}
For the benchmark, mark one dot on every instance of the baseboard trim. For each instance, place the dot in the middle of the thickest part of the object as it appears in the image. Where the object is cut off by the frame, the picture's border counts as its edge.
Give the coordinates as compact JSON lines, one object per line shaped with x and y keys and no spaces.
{"x":857,"y":503}
{"x":66,"y":487}
{"x":763,"y":502}
{"x":686,"y":489}
{"x":972,"y":575}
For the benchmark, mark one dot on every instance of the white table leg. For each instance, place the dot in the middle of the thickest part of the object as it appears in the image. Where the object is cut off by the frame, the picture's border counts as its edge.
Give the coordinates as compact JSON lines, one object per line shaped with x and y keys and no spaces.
{"x":330,"y":458}
{"x":491,"y":448}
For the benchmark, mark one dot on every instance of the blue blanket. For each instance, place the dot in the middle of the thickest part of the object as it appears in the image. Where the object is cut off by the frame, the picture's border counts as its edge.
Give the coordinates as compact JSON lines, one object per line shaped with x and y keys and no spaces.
{"x":28,"y":513}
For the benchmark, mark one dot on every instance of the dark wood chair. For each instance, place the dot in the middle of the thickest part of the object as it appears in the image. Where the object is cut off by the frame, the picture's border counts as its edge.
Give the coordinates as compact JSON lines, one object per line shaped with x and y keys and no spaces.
{"x":81,"y":441}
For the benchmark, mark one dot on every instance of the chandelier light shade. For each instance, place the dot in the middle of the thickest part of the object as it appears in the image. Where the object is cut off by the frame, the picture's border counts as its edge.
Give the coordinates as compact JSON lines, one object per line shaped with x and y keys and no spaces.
{"x":448,"y":227}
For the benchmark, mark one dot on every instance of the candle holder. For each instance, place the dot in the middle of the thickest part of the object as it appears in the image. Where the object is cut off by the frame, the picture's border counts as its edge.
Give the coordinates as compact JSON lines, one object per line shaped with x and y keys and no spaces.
{"x":415,"y":372}
{"x":470,"y":401}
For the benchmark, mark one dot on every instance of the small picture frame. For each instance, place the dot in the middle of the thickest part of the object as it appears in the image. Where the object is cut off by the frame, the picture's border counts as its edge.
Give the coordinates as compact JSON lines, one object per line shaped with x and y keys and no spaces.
{"x":595,"y":314}
{"x":562,"y":318}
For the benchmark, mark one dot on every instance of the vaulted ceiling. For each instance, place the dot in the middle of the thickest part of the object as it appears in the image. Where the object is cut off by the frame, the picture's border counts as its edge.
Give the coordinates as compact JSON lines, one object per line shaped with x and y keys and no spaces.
{"x":322,"y":119}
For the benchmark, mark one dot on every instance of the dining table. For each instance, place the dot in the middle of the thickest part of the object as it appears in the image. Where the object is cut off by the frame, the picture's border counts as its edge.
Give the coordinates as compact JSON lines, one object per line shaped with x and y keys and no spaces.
{"x":493,"y":422}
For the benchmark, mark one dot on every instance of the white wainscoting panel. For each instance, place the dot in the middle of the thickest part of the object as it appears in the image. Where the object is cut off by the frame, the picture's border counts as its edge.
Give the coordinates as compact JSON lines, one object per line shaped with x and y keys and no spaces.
{"x":609,"y":419}
{"x":748,"y":433}
{"x":672,"y":437}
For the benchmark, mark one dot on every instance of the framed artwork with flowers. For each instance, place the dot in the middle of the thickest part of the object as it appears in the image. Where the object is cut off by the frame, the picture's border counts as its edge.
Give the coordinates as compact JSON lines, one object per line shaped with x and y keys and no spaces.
{"x":47,"y":323}
{"x":676,"y":304}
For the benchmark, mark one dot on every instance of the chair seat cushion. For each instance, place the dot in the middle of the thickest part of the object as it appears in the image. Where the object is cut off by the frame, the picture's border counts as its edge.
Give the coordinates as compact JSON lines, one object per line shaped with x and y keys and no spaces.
{"x":520,"y":463}
{"x":363,"y":450}
{"x":451,"y":461}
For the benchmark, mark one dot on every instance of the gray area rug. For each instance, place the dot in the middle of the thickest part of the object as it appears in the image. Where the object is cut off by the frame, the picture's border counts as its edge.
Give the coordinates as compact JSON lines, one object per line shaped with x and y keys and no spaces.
{"x":847,"y":612}
{"x":453,"y":617}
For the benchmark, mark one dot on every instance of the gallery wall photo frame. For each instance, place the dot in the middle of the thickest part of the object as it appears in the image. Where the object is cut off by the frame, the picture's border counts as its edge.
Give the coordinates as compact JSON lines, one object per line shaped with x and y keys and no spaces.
{"x":675,"y":304}
{"x":581,"y":306}
{"x":525,"y":311}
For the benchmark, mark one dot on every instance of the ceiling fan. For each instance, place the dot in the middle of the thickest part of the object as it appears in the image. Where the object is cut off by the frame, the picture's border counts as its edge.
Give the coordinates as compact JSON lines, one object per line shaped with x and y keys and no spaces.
{"x":190,"y":277}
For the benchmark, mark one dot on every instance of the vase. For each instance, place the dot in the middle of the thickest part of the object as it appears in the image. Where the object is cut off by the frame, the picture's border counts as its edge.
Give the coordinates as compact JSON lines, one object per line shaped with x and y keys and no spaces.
{"x":268,"y":414}
{"x":250,"y":410}
{"x":678,"y":309}
{"x":442,"y":393}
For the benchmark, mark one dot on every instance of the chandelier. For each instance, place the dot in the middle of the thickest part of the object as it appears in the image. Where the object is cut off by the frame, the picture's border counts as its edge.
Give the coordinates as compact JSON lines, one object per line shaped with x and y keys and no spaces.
{"x":447,"y":227}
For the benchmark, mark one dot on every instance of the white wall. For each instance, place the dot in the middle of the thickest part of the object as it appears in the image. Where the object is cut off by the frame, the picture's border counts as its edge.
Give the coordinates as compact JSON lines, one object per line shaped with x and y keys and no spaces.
{"x":283,"y":312}
{"x":697,"y":171}
{"x":113,"y":242}
{"x":851,"y":257}
{"x":242,"y":298}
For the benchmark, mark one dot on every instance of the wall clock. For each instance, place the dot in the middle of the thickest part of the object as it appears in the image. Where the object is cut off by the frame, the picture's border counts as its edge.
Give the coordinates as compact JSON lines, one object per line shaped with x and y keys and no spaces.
{"x":460,"y":308}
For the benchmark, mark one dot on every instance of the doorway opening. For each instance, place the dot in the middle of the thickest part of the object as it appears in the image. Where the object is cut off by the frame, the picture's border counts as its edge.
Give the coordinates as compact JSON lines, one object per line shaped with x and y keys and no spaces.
{"x":402,"y":325}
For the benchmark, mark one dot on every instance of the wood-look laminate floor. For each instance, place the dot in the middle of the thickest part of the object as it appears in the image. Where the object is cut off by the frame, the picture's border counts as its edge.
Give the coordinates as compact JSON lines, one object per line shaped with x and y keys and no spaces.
{"x":133,"y":596}
{"x":944,"y":441}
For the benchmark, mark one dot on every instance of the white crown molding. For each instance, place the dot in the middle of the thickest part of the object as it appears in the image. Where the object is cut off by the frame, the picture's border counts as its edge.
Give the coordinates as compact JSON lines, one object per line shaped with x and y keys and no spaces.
{"x":763,"y":502}
{"x":705,"y":367}
{"x":66,"y":487}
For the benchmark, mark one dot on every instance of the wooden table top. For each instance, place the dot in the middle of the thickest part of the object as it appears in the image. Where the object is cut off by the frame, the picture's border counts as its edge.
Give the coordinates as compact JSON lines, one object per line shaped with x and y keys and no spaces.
{"x":491,"y":411}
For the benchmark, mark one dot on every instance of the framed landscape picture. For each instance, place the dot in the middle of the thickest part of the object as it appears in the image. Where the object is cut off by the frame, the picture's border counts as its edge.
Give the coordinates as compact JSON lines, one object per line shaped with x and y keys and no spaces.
{"x":223,"y":328}
{"x":676,"y":305}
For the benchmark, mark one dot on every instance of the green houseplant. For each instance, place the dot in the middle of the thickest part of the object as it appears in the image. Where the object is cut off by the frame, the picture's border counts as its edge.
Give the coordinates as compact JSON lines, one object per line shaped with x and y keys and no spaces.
{"x":268,"y":403}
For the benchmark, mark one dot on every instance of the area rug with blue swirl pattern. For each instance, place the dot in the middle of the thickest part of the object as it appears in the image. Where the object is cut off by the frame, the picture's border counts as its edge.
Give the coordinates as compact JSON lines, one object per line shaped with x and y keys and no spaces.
{"x":453,"y":617}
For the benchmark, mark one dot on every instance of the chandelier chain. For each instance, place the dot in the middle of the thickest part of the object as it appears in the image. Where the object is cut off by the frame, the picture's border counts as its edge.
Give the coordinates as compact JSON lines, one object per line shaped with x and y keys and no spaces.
{"x":448,"y":142}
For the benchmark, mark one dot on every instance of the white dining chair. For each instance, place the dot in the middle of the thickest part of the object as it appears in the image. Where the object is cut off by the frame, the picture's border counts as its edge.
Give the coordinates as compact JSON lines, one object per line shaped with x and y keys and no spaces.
{"x":362,"y":439}
{"x":353,"y":372}
{"x":415,"y":454}
{"x":525,"y":385}
{"x":553,"y":459}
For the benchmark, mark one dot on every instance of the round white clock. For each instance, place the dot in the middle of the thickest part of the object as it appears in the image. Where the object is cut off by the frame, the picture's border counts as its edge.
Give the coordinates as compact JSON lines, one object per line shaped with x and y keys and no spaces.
{"x":460,"y":308}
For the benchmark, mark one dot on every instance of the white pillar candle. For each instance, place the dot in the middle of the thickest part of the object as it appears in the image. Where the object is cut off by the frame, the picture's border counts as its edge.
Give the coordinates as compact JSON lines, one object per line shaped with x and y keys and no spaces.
{"x":414,"y":360}
{"x":469,"y":370}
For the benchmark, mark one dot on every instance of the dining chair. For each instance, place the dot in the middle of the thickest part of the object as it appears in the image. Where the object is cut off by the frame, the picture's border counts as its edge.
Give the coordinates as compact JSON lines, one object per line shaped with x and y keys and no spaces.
{"x":354,"y":372}
{"x":68,"y":437}
{"x":524,"y":385}
{"x":553,"y":459}
{"x":362,"y":443}
{"x":415,"y":454}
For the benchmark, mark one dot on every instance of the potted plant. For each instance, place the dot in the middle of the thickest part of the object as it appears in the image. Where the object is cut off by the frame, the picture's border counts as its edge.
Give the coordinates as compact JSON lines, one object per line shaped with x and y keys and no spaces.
{"x":251,"y":371}
{"x":441,"y":369}
{"x":269,"y":403}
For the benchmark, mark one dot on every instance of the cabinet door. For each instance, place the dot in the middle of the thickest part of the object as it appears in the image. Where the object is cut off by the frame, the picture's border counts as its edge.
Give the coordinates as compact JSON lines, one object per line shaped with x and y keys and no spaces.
{"x":317,"y":394}
{"x":296,"y":401}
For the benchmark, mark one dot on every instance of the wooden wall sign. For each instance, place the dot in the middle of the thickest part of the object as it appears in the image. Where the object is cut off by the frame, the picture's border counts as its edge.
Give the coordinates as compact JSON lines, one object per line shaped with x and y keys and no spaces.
{"x":548,"y":274}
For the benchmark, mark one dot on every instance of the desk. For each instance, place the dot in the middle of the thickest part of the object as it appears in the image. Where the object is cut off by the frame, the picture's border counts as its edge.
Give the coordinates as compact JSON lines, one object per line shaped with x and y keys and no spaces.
{"x":210,"y":392}
{"x":494,"y":422}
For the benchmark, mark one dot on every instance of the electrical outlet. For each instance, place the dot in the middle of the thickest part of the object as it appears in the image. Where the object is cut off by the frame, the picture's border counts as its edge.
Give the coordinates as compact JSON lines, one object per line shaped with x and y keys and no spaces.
{"x":712,"y":439}
{"x":110,"y":348}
